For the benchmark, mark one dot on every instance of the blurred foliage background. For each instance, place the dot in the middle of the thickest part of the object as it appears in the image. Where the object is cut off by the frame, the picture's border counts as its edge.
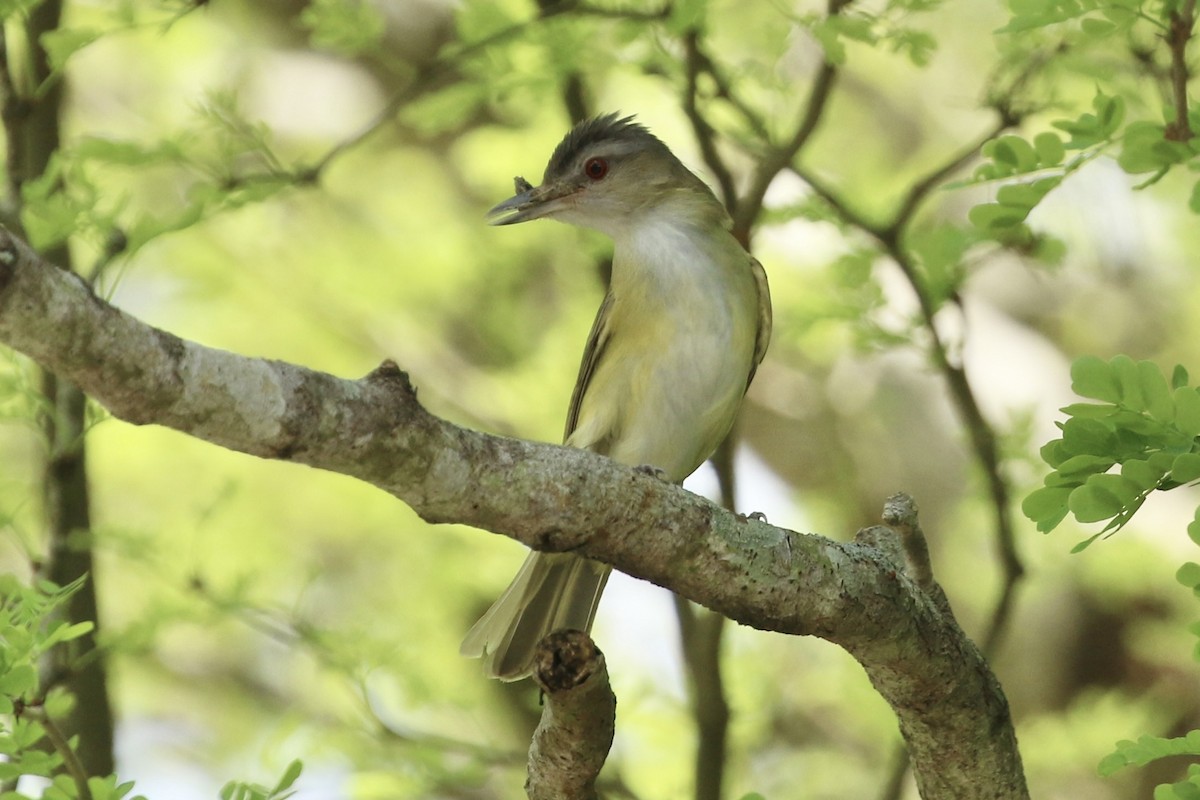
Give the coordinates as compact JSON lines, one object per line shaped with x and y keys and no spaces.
{"x":307,"y":181}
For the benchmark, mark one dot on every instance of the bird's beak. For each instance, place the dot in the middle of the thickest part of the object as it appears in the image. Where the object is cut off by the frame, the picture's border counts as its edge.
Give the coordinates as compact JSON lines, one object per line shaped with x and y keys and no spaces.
{"x":531,"y":202}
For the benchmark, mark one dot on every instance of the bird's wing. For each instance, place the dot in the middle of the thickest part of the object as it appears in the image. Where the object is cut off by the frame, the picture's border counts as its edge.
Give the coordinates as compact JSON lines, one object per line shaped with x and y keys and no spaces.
{"x":596,"y":342}
{"x":763,"y":335}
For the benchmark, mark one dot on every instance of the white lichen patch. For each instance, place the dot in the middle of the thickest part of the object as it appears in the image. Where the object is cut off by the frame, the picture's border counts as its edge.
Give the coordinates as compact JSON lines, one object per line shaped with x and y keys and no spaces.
{"x":230,"y":396}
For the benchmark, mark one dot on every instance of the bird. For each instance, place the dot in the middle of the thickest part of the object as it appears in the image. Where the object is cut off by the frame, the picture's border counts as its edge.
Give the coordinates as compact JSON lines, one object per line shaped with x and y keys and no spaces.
{"x":683,"y":326}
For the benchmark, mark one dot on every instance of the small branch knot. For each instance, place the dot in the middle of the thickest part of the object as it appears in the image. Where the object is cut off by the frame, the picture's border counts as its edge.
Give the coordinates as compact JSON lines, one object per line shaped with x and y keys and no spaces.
{"x":565,"y":659}
{"x":389,"y":372}
{"x":576,"y":730}
{"x":900,"y":514}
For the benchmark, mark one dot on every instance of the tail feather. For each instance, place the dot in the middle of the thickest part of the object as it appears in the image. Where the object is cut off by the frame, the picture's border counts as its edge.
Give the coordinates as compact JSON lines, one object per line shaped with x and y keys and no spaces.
{"x":552,"y":591}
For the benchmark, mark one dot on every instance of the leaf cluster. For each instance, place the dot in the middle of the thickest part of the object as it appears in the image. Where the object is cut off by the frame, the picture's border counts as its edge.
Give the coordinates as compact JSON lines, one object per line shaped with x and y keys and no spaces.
{"x":1140,"y":437}
{"x":30,"y":624}
{"x":1096,"y":18}
{"x":1031,"y":168}
{"x":885,"y":29}
{"x":237,"y":790}
{"x":222,"y":160}
{"x":1151,"y":748}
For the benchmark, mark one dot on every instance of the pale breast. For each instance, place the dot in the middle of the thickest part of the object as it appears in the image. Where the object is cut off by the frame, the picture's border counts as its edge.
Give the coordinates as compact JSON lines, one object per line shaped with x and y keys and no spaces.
{"x":680,"y":346}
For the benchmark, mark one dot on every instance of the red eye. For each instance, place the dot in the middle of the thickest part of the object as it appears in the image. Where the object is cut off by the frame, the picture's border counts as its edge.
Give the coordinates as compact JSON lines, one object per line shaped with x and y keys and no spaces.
{"x":595,"y":168}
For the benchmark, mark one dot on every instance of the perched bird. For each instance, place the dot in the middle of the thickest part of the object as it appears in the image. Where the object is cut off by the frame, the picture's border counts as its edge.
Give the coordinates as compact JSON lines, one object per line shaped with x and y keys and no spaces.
{"x":675,"y":344}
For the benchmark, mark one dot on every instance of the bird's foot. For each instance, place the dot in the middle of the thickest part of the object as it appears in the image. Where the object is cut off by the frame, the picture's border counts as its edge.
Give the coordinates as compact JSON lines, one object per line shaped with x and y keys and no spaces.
{"x":757,"y":516}
{"x":653,"y":472}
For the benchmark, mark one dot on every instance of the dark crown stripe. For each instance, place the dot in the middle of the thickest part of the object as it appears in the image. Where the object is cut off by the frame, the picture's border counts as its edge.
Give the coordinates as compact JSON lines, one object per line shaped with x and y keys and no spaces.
{"x":593,"y":131}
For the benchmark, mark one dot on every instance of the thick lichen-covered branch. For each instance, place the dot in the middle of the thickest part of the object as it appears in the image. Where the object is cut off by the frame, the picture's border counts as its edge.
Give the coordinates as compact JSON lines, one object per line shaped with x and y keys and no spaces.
{"x":856,"y":594}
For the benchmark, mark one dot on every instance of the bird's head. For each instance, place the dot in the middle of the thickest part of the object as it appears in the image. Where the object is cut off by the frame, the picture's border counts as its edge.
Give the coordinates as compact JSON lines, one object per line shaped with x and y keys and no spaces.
{"x":605,"y":173}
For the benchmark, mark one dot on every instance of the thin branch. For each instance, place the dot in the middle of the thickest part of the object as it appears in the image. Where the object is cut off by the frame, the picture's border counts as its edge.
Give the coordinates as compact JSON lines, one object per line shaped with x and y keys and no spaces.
{"x":700,"y":633}
{"x":1179,"y":33}
{"x":58,"y":741}
{"x":436,"y":75}
{"x":704,"y":133}
{"x":924,"y":186}
{"x":781,"y":157}
{"x":778,"y":159}
{"x":441,"y":71}
{"x":725,"y":92}
{"x":890,"y":236}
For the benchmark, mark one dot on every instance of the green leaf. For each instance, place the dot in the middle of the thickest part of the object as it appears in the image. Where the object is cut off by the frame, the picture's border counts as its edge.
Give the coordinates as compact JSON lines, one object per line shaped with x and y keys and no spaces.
{"x":1089,"y":410}
{"x":1145,"y":148}
{"x":687,"y":15}
{"x":1049,"y":147}
{"x":1125,"y":369}
{"x":1025,"y":196}
{"x":1053,"y":452}
{"x":1013,"y":151}
{"x":61,"y":43}
{"x":827,"y":36}
{"x":289,"y":776}
{"x":64,"y":632}
{"x":17,"y":681}
{"x":1193,"y":531}
{"x":1147,"y":749}
{"x":1097,"y":28}
{"x":1155,"y":392}
{"x":1084,"y":130}
{"x":993,"y":216}
{"x":1123,"y":489}
{"x":1179,"y":376}
{"x":918,"y":45}
{"x":1194,"y":198}
{"x":1189,"y":574}
{"x":1083,"y":436}
{"x":1186,"y":467}
{"x":1110,"y":112}
{"x":1085,"y":464}
{"x":349,"y":27}
{"x":1091,"y":503}
{"x":1093,"y":377}
{"x":1142,"y":473}
{"x":1046,"y":506}
{"x":1187,"y":410}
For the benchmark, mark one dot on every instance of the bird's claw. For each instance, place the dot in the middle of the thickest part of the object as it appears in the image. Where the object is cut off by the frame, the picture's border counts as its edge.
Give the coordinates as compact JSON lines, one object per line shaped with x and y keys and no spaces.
{"x":757,"y":516}
{"x":653,"y":472}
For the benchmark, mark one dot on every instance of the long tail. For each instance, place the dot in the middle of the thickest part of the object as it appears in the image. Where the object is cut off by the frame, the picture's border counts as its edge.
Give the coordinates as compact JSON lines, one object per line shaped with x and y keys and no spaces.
{"x":552,"y":591}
